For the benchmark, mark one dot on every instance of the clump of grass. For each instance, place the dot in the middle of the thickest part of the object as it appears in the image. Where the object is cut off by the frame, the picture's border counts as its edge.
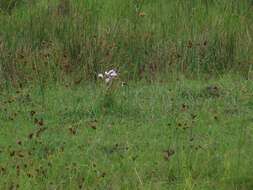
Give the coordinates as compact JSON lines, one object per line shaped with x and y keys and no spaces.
{"x":7,"y":6}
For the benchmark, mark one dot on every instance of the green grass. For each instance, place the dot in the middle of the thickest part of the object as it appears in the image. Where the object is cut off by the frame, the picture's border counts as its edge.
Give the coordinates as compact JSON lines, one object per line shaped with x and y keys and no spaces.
{"x":183,"y":122}
{"x":68,"y":41}
{"x":169,"y":135}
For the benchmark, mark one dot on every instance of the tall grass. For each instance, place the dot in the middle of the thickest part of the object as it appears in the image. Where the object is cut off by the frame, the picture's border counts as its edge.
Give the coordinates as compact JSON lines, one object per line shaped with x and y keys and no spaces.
{"x":74,"y":40}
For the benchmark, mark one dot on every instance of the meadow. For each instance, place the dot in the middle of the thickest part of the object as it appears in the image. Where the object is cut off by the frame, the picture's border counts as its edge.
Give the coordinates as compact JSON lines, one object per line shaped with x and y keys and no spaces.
{"x":182,"y":120}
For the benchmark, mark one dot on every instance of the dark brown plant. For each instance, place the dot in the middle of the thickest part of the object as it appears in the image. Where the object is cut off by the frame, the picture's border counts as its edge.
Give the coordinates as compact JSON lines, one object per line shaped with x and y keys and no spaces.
{"x":168,"y":153}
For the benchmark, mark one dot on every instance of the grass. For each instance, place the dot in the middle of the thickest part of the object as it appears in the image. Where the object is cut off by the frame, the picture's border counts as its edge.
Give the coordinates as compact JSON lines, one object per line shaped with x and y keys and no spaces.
{"x":183,"y":121}
{"x":175,"y":135}
{"x":57,"y":41}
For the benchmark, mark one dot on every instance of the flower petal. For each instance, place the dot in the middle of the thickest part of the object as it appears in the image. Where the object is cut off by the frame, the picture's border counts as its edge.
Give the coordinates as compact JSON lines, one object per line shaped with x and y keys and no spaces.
{"x":100,"y":75}
{"x":107,"y":80}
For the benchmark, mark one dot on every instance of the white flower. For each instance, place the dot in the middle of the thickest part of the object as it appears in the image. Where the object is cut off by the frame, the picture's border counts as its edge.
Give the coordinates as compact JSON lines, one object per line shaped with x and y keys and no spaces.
{"x":100,"y":75}
{"x":111,"y":74}
{"x":108,"y":76}
{"x":107,"y":80}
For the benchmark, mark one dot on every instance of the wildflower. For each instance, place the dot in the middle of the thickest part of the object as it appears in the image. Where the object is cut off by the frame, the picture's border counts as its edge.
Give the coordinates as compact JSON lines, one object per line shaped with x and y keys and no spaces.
{"x":108,"y":76}
{"x":107,"y":80}
{"x":111,"y":74}
{"x":100,"y":75}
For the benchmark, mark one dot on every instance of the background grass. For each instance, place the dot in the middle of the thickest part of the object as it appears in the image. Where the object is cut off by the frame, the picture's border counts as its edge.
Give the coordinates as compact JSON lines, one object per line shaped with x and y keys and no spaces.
{"x":43,"y":41}
{"x":183,"y":121}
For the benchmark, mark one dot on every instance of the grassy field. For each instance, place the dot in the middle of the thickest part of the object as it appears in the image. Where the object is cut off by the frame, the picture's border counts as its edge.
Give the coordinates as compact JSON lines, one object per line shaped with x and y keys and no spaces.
{"x":182,"y":121}
{"x":177,"y":135}
{"x":45,"y":41}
